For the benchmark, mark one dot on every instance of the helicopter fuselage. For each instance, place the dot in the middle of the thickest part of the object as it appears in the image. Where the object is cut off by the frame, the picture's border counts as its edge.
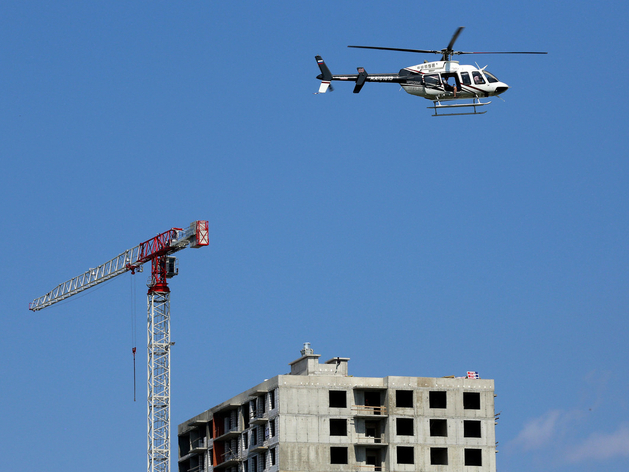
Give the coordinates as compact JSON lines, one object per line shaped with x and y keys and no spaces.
{"x":442,"y":80}
{"x":450,"y":80}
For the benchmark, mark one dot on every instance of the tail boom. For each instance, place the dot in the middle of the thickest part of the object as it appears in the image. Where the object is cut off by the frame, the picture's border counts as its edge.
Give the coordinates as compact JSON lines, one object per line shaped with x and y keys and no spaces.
{"x":326,"y":77}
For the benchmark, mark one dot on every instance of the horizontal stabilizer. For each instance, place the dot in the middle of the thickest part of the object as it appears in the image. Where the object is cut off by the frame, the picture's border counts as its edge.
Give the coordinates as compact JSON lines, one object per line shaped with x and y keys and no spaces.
{"x":360,"y":80}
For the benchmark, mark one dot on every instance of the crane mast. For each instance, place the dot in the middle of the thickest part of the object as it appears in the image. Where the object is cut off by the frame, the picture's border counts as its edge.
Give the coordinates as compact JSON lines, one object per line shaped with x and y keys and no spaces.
{"x":158,"y":251}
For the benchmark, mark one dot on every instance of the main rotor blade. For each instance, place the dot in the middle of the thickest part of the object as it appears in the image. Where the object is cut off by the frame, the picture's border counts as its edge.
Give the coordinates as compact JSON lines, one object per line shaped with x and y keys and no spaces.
{"x":454,"y":38}
{"x":424,"y":51}
{"x":449,"y":50}
{"x":499,"y":52}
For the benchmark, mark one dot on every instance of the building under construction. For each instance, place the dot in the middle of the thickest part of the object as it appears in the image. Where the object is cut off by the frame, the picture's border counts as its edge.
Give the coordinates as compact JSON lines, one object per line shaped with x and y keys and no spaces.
{"x":319,"y":418}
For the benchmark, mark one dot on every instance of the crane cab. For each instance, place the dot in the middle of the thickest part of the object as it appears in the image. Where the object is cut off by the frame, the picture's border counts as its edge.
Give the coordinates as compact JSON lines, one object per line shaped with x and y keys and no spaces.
{"x":172,"y":267}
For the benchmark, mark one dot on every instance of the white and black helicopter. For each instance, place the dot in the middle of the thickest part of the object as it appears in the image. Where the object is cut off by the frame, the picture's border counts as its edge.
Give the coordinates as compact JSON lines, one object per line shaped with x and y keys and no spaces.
{"x":438,"y":81}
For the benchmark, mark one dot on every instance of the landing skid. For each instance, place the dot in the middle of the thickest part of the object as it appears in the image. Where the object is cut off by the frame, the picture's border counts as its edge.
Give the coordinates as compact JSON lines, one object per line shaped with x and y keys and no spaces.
{"x":477,"y":103}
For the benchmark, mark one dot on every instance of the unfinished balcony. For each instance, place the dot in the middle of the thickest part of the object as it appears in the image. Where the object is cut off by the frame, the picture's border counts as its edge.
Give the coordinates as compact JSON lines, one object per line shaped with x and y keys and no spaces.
{"x":230,"y":434}
{"x":191,"y":464}
{"x":198,"y":468}
{"x":369,"y":458}
{"x":370,"y":433}
{"x":362,"y":467}
{"x":363,"y":411}
{"x":369,"y":402}
{"x":228,"y":459}
{"x":366,"y":440}
{"x":226,"y":424}
{"x":192,"y":445}
{"x":199,"y":445}
{"x":259,"y":416}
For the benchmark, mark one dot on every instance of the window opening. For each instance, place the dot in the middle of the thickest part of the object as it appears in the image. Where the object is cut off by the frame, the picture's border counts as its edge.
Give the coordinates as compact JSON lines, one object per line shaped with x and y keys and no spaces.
{"x":338,"y":427}
{"x":474,"y":457}
{"x":471,"y":400}
{"x":438,"y":400}
{"x":465,"y":78}
{"x":439,"y":455}
{"x":471,"y":429}
{"x":404,"y":426}
{"x":439,"y":428}
{"x":338,"y":455}
{"x":338,"y":399}
{"x":404,"y":398}
{"x":405,"y":455}
{"x":245,"y":414}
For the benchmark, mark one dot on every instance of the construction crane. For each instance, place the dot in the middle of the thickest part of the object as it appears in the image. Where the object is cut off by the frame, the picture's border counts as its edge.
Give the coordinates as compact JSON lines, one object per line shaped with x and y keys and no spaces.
{"x":159,"y":250}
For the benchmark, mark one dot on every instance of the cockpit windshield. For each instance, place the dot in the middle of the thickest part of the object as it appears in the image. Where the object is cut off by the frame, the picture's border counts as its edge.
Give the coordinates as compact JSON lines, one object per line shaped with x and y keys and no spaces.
{"x":491,"y":78}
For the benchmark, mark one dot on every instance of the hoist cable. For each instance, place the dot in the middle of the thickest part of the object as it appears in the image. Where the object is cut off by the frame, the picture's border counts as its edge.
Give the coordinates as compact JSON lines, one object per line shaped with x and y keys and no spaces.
{"x":133,"y":330}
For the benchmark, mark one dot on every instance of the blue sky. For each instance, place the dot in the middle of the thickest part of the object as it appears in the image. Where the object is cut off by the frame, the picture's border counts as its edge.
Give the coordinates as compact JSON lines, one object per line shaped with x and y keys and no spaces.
{"x":414,"y":245}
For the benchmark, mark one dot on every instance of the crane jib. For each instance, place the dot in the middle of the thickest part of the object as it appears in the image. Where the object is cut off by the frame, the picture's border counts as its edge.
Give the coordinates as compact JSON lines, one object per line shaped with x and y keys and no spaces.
{"x":168,"y":242}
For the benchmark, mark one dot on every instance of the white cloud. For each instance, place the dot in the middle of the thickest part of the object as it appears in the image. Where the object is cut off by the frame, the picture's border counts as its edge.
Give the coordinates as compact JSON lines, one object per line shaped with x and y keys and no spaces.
{"x":600,"y":446}
{"x":538,"y":432}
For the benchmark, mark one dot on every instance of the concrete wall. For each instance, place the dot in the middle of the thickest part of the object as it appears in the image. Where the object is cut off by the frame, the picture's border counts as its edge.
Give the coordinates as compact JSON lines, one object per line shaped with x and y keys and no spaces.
{"x":305,"y":414}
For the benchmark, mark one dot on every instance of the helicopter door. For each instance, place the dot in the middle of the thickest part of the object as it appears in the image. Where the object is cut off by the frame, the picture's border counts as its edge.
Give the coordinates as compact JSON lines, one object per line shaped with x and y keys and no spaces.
{"x":432,"y":85}
{"x":448,"y":84}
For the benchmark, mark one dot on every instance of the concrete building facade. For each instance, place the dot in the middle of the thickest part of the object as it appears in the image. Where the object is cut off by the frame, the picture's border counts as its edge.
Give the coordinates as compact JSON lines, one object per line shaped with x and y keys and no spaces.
{"x":319,"y":418}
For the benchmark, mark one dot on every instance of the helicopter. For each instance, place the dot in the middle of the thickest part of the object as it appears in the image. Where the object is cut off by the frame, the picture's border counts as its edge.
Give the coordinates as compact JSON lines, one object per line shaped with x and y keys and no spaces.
{"x":439,"y":81}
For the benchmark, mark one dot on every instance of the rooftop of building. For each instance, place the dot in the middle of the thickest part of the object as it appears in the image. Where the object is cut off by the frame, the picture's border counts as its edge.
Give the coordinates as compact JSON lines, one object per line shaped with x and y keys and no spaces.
{"x":308,"y":364}
{"x":308,"y":371}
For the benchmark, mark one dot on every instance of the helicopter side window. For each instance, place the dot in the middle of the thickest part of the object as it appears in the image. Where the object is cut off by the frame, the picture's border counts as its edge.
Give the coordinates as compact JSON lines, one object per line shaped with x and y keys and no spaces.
{"x":465,"y":78}
{"x":478,"y":78}
{"x":491,"y":78}
{"x":432,"y":80}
